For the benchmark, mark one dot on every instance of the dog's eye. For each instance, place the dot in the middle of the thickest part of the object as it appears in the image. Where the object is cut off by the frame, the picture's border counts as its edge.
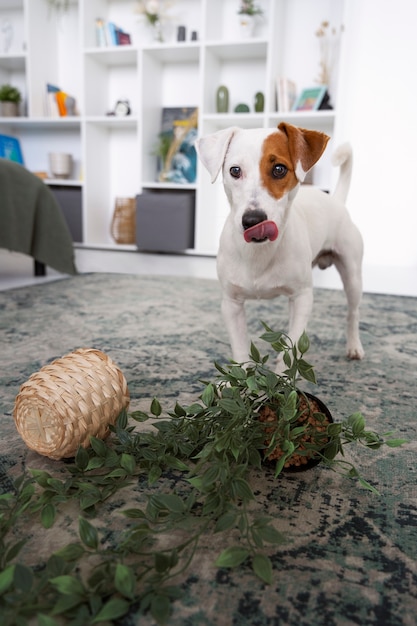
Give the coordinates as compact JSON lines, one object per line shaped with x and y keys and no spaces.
{"x":235,"y":171}
{"x":279,"y":170}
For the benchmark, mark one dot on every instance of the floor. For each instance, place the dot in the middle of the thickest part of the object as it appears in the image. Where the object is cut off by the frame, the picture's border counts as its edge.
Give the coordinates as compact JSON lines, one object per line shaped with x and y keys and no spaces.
{"x":16,"y":270}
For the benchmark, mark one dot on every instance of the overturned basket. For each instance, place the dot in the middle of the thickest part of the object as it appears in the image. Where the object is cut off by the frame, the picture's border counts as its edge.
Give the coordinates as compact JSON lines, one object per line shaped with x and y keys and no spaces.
{"x":77,"y":396}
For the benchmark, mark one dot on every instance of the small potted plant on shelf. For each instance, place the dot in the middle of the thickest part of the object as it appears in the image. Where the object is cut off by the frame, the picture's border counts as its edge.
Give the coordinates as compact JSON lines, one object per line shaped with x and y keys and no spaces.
{"x":248,"y":12}
{"x":10,"y":98}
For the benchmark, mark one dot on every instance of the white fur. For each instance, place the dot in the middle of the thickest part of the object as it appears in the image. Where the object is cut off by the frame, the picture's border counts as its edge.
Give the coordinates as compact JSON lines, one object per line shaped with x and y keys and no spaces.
{"x":309,"y":221}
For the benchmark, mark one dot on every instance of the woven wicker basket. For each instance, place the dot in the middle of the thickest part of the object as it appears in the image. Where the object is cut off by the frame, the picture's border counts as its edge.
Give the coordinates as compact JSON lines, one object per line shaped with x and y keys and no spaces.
{"x":59,"y":407}
{"x":123,"y":226}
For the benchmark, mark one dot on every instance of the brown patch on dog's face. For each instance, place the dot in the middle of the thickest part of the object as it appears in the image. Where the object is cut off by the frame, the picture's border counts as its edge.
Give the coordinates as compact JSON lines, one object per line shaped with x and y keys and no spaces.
{"x":276,"y":168}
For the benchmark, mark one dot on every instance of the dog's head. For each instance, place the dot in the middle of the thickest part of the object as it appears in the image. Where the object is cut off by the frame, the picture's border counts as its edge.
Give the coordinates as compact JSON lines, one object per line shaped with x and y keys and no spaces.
{"x":262,"y":170}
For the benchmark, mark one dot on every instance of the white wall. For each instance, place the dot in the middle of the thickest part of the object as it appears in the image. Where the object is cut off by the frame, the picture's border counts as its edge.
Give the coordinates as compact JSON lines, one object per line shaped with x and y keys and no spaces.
{"x":377,"y":113}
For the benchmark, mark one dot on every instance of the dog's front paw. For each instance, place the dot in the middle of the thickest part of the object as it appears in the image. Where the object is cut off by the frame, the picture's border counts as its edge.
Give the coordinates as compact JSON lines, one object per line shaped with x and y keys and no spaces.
{"x":355,"y":352}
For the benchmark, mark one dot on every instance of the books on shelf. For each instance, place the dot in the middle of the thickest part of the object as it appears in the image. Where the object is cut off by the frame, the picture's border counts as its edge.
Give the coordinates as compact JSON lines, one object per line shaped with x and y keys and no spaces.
{"x":286,"y":94}
{"x":108,"y":34}
{"x":58,"y":103}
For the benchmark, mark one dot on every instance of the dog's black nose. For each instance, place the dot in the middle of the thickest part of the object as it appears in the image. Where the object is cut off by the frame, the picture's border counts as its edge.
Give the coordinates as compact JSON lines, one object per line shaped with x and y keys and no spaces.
{"x":253,"y":217}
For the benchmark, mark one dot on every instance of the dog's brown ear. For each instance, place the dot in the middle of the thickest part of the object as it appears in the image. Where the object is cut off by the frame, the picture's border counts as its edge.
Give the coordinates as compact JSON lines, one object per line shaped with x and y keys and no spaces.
{"x":212,"y":150}
{"x":305,"y":146}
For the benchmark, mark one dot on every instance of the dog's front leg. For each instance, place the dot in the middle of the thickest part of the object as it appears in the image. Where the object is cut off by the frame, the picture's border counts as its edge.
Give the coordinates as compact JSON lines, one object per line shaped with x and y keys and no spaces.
{"x":234,"y":317}
{"x":300,"y":307}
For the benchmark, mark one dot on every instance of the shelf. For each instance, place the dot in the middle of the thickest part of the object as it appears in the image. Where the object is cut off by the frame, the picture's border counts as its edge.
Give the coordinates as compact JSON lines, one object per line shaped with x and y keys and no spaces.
{"x":172,"y":186}
{"x":113,"y":55}
{"x":178,"y":53}
{"x":115,"y":156}
{"x":113,"y":121}
{"x":42,"y":122}
{"x":12,"y":62}
{"x":62,"y":182}
{"x":238,"y":50}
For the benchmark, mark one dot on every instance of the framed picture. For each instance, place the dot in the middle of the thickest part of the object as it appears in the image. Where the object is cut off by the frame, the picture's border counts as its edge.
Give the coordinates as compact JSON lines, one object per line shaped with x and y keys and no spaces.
{"x":177,"y":157}
{"x":310,"y":99}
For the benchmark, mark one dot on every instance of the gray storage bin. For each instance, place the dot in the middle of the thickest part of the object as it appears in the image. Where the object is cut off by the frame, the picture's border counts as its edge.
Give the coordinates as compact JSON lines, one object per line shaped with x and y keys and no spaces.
{"x":165,"y":220}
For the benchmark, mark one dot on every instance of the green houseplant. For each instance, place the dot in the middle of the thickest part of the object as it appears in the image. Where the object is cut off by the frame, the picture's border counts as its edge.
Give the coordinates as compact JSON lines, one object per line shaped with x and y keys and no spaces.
{"x":10,"y":98}
{"x":211,"y":447}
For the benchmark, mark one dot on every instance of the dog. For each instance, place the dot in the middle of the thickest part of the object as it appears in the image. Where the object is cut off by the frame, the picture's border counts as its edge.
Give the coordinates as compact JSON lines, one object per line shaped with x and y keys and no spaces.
{"x":277,"y":230}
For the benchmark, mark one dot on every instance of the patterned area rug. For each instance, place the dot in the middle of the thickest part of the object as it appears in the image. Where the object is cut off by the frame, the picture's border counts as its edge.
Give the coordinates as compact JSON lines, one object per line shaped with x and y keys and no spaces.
{"x":351,"y":556}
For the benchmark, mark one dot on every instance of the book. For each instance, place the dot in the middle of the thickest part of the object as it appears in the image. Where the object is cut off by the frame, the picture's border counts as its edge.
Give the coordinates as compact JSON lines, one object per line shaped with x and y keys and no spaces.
{"x":58,"y":103}
{"x":177,"y":161}
{"x":109,"y":34}
{"x":286,"y":94}
{"x":10,"y":149}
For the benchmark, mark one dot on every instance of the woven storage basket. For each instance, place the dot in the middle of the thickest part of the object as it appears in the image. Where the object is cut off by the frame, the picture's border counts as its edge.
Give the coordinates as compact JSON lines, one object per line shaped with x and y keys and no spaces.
{"x":123,"y":226}
{"x":59,"y":407}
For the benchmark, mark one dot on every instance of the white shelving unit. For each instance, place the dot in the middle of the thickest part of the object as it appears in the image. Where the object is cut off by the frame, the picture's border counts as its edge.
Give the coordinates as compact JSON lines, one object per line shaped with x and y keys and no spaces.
{"x":115,"y":156}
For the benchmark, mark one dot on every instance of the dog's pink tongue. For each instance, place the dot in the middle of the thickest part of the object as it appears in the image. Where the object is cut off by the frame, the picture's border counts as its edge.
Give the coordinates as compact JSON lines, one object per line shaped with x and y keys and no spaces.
{"x":263,"y":230}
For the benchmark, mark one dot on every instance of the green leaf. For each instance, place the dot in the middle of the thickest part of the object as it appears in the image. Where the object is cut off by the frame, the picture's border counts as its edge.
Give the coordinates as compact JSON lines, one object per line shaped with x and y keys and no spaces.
{"x":88,"y":533}
{"x":254,"y":353}
{"x":48,"y":515}
{"x":208,"y":395}
{"x":71,"y":552}
{"x":156,"y":408}
{"x":68,"y":585}
{"x":113,"y":609}
{"x":306,"y":371}
{"x":128,"y":463}
{"x":303,"y":343}
{"x":125,"y":581}
{"x":154,"y":474}
{"x":23,"y":578}
{"x":6,"y":578}
{"x":357,"y":423}
{"x":98,"y":446}
{"x":270,"y":534}
{"x":41,"y":477}
{"x":225,"y":522}
{"x":241,"y":489}
{"x":262,"y":567}
{"x":67,"y":602}
{"x":395,"y":443}
{"x":162,"y":562}
{"x":82,"y":458}
{"x":179,"y":410}
{"x":160,"y":608}
{"x":14,"y":550}
{"x":171,"y":502}
{"x":45,"y":620}
{"x":232,"y":557}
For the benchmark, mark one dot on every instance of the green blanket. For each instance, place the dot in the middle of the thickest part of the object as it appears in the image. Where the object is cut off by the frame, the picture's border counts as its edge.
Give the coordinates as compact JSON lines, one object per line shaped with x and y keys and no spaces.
{"x":31,"y":221}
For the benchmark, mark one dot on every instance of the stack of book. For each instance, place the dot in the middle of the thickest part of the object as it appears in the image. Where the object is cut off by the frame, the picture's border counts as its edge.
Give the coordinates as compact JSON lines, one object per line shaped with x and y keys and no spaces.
{"x":108,"y":34}
{"x":58,"y":103}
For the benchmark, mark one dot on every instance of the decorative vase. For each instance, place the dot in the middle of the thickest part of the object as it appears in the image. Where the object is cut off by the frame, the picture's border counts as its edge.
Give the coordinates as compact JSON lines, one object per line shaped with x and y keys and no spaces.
{"x":157,"y":31}
{"x":246,"y":25}
{"x":70,"y":400}
{"x":222,"y":99}
{"x":9,"y":109}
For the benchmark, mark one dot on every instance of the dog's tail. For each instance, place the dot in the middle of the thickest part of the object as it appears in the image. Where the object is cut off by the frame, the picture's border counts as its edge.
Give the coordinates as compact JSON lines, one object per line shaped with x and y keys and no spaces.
{"x":343,"y":158}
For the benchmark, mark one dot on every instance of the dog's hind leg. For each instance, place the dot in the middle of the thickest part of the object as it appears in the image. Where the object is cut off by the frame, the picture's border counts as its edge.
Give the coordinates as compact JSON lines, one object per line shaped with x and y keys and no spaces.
{"x":351,"y":275}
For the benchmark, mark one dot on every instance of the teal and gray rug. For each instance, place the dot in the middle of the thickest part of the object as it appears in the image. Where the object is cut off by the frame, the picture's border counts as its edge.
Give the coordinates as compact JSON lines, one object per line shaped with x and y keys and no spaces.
{"x":351,"y":556}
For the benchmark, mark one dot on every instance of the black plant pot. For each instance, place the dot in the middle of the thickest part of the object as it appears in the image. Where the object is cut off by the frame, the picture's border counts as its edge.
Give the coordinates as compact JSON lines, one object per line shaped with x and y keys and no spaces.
{"x":313,"y":462}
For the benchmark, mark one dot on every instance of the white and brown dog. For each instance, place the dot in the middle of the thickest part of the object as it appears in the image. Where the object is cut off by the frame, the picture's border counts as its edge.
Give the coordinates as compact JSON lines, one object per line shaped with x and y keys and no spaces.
{"x":278,"y":230}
